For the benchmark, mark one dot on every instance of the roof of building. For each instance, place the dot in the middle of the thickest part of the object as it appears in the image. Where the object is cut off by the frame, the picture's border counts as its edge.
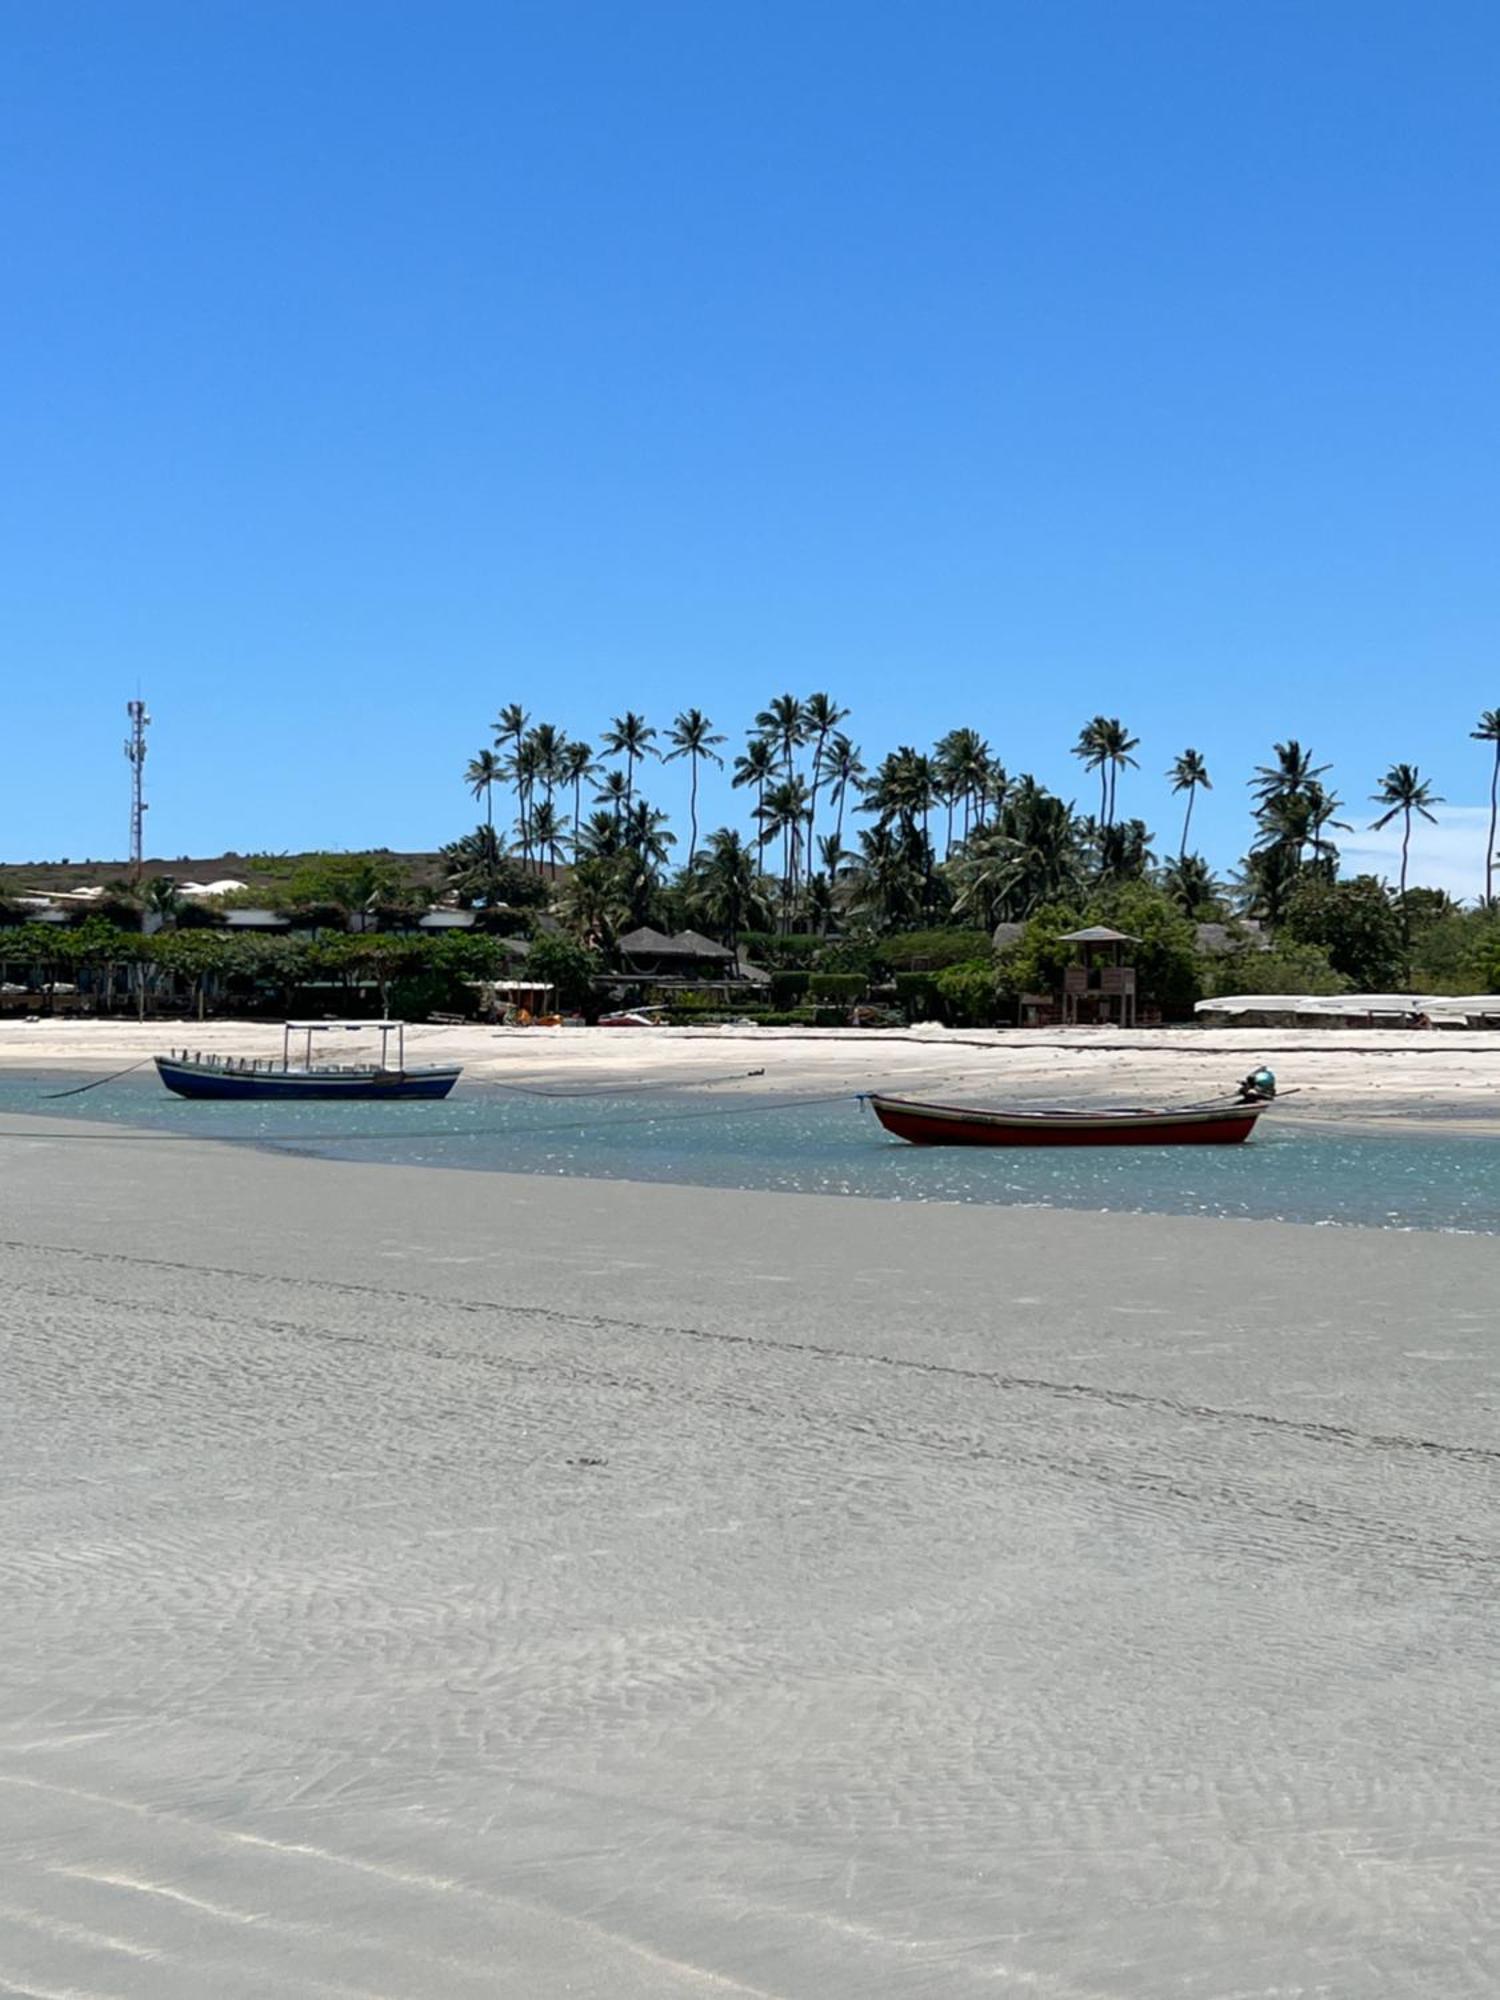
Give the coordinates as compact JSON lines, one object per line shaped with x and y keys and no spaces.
{"x":1098,"y":934}
{"x":647,"y":943}
{"x":706,"y":947}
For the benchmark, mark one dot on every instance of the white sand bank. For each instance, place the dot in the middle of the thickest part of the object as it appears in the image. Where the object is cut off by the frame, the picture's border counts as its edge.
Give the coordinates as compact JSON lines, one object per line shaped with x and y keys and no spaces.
{"x":426,"y":1584}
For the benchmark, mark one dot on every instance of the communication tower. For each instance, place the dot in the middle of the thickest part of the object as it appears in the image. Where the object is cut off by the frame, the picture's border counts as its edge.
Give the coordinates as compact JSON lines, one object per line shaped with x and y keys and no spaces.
{"x":135,"y":752}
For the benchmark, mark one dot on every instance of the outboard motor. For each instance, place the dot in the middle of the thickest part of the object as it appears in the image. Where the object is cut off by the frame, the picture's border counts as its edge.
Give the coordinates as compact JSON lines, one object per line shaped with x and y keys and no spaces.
{"x":1259,"y":1087}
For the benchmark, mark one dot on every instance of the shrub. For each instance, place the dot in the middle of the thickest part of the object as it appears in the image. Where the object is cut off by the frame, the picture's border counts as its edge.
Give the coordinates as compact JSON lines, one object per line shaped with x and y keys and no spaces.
{"x":1290,"y":968}
{"x":787,"y":988}
{"x":970,"y":994}
{"x":561,"y":962}
{"x":1354,"y":922}
{"x":837,"y":988}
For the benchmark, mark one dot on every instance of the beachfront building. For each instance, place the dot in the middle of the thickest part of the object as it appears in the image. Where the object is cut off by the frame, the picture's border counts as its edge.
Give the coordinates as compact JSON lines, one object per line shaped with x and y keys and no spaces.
{"x":1100,"y":985}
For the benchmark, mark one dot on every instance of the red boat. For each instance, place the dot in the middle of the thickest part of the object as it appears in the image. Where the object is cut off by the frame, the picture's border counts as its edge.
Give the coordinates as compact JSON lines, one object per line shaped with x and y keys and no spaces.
{"x":1227,"y":1123}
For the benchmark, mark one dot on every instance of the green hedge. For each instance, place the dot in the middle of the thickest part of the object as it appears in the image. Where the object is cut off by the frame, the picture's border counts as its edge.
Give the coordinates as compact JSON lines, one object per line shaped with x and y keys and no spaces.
{"x":836,"y":987}
{"x":788,"y":988}
{"x":931,"y":951}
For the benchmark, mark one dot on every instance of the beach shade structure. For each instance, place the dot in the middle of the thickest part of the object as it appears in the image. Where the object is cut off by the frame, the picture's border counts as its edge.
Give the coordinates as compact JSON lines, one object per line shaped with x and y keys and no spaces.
{"x":1100,"y":985}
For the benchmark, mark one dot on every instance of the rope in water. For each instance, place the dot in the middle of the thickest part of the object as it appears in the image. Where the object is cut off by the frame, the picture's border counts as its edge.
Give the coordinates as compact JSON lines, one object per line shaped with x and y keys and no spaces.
{"x":115,"y":1075}
{"x":296,"y":1139}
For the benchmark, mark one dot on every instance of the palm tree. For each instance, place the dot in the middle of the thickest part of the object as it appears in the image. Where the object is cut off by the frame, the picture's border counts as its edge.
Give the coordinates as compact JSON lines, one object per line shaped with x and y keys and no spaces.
{"x":843,"y":771}
{"x":1292,"y":773}
{"x":1090,"y":748}
{"x":784,"y":814}
{"x":755,"y":765}
{"x":600,"y":837}
{"x":1322,"y":805}
{"x":645,"y":832}
{"x":725,"y":887}
{"x":548,"y":831}
{"x":821,"y":715}
{"x":693,"y":736}
{"x":510,"y":727}
{"x":614,"y":793}
{"x":1188,"y":774}
{"x":549,"y":747}
{"x":1031,"y":856}
{"x":887,"y":885}
{"x":628,"y":736}
{"x":1190,"y":882}
{"x":1124,"y":850}
{"x":1403,"y":790}
{"x":1489,"y":732}
{"x":484,"y":773}
{"x":471,"y":865}
{"x":963,"y":760}
{"x":1116,"y":742}
{"x":525,"y":769}
{"x":578,"y":769}
{"x":784,"y":721}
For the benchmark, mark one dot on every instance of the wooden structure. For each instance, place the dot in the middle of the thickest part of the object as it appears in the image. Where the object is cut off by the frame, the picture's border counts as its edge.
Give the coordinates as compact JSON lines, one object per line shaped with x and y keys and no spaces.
{"x":1100,"y":986}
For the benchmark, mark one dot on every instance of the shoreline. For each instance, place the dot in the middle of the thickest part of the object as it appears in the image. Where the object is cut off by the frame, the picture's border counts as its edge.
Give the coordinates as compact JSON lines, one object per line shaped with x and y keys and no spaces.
{"x":1343,"y":1075}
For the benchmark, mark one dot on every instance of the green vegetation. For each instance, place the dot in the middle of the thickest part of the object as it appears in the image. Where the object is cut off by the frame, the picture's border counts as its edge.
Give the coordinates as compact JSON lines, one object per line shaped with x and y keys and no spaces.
{"x":932,"y":880}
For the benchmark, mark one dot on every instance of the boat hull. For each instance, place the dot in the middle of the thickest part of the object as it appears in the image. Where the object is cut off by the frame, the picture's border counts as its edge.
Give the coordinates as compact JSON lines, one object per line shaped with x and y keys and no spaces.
{"x":956,"y":1125}
{"x":213,"y":1080}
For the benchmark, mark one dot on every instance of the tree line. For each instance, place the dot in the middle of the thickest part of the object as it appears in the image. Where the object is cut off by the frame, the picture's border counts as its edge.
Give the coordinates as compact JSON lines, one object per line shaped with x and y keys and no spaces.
{"x":921,"y":836}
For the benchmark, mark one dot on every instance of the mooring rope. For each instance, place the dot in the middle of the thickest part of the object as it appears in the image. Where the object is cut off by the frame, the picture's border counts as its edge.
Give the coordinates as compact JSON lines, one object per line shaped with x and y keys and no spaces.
{"x":114,"y":1076}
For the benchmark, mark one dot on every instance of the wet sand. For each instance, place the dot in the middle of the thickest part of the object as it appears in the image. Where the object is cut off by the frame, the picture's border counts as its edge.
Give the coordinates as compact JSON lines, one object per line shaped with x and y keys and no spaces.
{"x":418,"y":1583}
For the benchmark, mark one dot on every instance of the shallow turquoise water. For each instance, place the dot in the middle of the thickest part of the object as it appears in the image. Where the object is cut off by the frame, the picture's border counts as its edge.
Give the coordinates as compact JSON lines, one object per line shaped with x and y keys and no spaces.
{"x":1289,"y":1171}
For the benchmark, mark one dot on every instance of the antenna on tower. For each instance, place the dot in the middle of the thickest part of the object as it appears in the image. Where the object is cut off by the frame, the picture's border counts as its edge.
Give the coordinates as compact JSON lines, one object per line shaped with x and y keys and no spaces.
{"x":135,"y":752}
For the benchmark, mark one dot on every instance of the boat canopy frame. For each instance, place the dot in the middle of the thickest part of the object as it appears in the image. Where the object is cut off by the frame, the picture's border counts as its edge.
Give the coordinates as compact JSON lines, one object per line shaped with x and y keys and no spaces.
{"x":385,"y":1029}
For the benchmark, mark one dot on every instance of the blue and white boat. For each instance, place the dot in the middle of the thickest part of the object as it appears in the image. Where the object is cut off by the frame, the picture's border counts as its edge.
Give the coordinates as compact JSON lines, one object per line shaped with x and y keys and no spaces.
{"x":216,"y":1076}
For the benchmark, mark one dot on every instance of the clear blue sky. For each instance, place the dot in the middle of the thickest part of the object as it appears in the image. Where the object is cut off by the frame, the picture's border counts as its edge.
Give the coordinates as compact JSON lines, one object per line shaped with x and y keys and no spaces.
{"x":366,"y":366}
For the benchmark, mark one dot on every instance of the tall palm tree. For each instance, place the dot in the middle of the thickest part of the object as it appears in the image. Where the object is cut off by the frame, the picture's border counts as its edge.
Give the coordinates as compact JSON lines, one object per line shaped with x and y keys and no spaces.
{"x":755,"y":765}
{"x":485,"y":772}
{"x":1404,"y":790}
{"x":843,"y":771}
{"x":1189,"y":773}
{"x":1489,"y":732}
{"x":524,"y":770}
{"x":549,"y":746}
{"x":784,"y":815}
{"x":630,"y":737}
{"x":964,"y":761}
{"x":1090,"y":748}
{"x":784,"y":720}
{"x":510,"y":728}
{"x":578,"y":769}
{"x":548,"y":831}
{"x":693,"y":736}
{"x":614,"y":793}
{"x":821,"y":715}
{"x":1116,"y":743}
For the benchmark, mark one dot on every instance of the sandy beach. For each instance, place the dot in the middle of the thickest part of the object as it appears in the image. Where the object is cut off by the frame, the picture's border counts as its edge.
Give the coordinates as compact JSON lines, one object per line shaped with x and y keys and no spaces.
{"x":423,"y":1583}
{"x":1338,"y":1074}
